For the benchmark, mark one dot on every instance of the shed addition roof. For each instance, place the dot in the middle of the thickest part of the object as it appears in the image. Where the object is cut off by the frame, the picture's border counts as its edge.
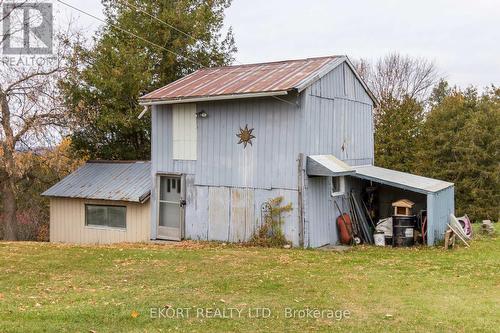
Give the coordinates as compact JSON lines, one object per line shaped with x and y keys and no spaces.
{"x":245,"y":80}
{"x":121,"y":181}
{"x":401,"y":179}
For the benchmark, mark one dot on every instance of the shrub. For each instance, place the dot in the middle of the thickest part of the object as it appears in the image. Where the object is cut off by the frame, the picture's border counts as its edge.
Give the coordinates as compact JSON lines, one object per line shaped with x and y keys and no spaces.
{"x":270,"y":233}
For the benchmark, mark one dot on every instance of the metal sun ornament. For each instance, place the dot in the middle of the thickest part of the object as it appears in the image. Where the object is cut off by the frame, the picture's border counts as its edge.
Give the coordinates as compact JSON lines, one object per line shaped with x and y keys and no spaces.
{"x":245,"y":136}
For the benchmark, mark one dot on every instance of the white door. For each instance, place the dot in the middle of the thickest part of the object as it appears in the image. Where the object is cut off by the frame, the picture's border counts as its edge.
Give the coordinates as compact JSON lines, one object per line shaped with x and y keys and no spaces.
{"x":170,"y":209}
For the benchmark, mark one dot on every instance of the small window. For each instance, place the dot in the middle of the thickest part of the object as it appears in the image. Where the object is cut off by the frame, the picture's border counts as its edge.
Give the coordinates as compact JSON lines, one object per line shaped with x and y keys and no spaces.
{"x":338,"y":186}
{"x":106,"y":216}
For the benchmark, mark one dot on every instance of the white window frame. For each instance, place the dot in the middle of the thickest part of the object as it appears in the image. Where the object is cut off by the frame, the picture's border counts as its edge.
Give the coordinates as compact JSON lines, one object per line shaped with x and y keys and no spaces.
{"x":338,"y":186}
{"x":184,"y":132}
{"x":101,"y":226}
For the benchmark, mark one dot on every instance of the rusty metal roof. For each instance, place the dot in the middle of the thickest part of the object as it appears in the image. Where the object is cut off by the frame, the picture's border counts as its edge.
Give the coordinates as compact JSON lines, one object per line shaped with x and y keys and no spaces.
{"x":106,"y":180}
{"x":252,"y":79}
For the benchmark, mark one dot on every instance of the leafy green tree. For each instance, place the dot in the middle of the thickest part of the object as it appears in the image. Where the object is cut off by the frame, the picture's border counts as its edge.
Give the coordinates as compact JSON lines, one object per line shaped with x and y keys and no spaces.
{"x":460,"y":143}
{"x":398,"y":124}
{"x":103,"y":87}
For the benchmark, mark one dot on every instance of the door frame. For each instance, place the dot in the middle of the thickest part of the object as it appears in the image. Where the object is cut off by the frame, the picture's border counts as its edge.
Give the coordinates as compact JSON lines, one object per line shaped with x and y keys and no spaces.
{"x":182,"y":204}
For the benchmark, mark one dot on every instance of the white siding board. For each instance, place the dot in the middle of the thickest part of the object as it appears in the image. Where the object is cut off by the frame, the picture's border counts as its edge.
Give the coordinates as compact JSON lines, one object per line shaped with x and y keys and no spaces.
{"x":218,"y":213}
{"x":242,"y":213}
{"x":196,"y":210}
{"x":184,"y":131}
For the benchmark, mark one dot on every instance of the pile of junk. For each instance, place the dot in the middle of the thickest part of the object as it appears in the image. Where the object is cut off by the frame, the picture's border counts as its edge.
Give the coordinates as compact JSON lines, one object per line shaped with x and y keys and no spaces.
{"x":402,"y":226}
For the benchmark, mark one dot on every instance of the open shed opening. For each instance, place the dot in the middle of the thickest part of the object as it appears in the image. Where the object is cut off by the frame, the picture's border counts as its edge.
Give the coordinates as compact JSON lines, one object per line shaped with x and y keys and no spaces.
{"x":432,"y":199}
{"x":378,"y":199}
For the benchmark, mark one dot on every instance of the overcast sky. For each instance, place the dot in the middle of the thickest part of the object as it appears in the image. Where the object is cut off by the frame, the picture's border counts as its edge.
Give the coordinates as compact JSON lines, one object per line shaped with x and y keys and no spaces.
{"x":461,"y":36}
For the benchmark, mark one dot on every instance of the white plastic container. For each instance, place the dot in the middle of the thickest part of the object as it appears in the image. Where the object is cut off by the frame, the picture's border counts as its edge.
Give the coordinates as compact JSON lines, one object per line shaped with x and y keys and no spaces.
{"x":379,"y":238}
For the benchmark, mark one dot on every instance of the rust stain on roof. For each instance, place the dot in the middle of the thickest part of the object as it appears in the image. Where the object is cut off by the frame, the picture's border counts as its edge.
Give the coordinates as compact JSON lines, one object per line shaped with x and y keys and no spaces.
{"x":242,"y":79}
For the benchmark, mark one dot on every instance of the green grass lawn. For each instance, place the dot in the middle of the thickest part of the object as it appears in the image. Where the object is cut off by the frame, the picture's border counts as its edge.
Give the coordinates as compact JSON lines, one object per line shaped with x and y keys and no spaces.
{"x":47,"y":287}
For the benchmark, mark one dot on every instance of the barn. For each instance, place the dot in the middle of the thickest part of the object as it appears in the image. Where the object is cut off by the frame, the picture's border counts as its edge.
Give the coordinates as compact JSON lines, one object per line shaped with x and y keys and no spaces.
{"x":227,"y":140}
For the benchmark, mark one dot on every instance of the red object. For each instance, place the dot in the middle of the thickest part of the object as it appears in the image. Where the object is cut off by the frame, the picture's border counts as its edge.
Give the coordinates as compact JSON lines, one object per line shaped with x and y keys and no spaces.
{"x":345,"y":229}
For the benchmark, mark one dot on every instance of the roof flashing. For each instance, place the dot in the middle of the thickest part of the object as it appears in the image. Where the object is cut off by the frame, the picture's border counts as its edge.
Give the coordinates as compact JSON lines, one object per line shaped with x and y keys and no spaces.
{"x":327,"y":165}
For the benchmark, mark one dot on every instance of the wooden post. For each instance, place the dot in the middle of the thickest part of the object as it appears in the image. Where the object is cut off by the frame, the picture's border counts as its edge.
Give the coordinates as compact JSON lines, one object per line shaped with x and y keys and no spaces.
{"x":301,"y":198}
{"x":449,"y":239}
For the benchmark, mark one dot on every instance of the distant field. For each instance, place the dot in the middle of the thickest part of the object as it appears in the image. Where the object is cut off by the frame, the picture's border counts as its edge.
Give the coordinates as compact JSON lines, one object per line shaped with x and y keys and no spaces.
{"x":46,"y":287}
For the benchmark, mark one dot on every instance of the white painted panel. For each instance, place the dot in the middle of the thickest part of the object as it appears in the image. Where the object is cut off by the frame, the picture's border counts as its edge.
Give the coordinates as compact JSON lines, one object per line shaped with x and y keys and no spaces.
{"x":218,"y":213}
{"x":242,"y":215}
{"x":184,"y":131}
{"x":196,"y":210}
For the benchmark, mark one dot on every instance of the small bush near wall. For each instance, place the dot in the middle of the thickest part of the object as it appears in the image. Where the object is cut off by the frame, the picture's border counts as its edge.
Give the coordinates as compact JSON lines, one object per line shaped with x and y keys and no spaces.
{"x":33,"y":224}
{"x":270,"y":233}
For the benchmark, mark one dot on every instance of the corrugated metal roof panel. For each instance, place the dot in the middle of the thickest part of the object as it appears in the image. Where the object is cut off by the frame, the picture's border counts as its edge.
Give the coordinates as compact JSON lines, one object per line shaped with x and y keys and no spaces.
{"x":130,"y":181}
{"x":327,"y":165}
{"x":242,"y":79}
{"x":400,"y":179}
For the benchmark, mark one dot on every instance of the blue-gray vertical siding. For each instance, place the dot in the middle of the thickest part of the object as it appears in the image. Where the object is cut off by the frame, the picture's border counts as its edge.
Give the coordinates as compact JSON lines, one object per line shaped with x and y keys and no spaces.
{"x":334,"y":112}
{"x":338,"y":118}
{"x":320,"y":213}
{"x":161,"y":146}
{"x":439,"y":207}
{"x":269,"y":162}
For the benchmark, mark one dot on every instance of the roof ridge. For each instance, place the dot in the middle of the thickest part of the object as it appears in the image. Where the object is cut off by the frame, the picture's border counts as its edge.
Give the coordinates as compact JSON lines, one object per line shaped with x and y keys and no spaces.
{"x":271,"y":62}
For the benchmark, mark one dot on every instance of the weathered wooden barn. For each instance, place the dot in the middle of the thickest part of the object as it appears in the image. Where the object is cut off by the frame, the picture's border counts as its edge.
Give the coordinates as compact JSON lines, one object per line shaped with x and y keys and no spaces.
{"x":225,"y":141}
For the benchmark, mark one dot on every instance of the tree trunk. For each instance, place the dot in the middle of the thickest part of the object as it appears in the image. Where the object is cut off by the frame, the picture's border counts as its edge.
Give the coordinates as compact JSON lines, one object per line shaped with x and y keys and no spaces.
{"x":7,"y":171}
{"x":9,"y":212}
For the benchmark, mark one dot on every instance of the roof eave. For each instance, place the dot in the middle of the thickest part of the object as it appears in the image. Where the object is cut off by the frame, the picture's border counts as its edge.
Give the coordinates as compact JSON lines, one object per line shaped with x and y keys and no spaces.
{"x":212,"y":98}
{"x":307,"y":82}
{"x":363,"y":83}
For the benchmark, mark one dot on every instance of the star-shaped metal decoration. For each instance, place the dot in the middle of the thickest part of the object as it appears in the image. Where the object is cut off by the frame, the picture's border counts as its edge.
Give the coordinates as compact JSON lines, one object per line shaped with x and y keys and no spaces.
{"x":245,"y":136}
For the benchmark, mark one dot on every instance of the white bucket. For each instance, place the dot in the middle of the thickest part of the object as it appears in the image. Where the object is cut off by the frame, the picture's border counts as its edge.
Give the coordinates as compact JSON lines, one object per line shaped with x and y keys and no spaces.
{"x":379,"y":238}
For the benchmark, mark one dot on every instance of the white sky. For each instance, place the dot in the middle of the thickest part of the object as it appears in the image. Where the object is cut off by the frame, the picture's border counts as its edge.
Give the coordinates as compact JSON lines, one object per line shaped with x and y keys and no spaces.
{"x":461,"y":36}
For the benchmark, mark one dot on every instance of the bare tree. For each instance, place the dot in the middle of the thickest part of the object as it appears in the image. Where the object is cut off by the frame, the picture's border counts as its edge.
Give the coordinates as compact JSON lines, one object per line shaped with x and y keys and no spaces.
{"x":30,"y":116}
{"x":396,"y":76}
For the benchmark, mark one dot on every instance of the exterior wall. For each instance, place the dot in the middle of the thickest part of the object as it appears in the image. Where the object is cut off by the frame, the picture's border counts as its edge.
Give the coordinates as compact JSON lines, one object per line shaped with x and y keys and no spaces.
{"x":338,"y":114}
{"x":339,"y":119}
{"x":67,"y":223}
{"x":320,"y":214}
{"x":271,"y":160}
{"x":227,"y":184}
{"x":439,"y":207}
{"x":161,"y":145}
{"x":232,"y":214}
